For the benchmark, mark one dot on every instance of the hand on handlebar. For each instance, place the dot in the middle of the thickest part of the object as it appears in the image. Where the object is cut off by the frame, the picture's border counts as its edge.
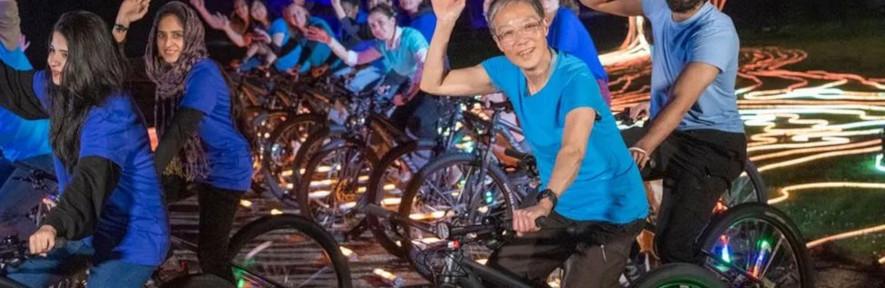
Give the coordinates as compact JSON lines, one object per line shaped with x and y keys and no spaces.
{"x":43,"y":240}
{"x":524,"y":219}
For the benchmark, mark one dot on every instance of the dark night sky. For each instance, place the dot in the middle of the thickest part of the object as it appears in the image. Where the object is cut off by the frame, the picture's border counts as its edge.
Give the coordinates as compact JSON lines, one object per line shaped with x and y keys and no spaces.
{"x":38,"y":16}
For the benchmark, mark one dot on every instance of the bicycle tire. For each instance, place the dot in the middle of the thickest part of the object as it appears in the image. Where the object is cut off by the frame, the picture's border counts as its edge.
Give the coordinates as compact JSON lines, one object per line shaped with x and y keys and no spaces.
{"x":366,"y":156}
{"x":266,"y":224}
{"x":439,"y":163}
{"x":375,"y":192}
{"x":767,"y":214}
{"x":678,"y":275}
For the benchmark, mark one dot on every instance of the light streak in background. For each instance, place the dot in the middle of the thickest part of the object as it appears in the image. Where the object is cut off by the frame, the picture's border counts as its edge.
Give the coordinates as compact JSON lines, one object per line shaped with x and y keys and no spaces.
{"x":792,"y":117}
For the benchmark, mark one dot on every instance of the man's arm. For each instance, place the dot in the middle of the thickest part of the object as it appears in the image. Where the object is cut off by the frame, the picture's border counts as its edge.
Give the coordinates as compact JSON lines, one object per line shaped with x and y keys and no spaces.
{"x":576,"y":133}
{"x":578,"y":124}
{"x":692,"y":82}
{"x":624,"y":8}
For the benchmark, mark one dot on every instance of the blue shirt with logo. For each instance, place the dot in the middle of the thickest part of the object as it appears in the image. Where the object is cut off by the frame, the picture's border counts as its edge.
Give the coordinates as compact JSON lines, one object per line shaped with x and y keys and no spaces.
{"x":608,"y":186}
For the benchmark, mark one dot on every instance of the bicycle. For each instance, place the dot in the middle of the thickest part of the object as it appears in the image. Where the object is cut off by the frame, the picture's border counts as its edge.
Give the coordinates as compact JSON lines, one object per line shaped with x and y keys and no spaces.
{"x":271,"y":251}
{"x":741,"y":216}
{"x":448,"y":266}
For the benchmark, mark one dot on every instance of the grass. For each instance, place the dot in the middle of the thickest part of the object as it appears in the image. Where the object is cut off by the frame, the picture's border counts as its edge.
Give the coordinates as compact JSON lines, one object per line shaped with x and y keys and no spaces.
{"x":855,"y":46}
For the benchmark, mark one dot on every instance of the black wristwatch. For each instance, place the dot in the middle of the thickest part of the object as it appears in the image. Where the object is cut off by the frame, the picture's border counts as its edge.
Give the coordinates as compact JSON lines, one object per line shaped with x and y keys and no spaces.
{"x":547,"y":193}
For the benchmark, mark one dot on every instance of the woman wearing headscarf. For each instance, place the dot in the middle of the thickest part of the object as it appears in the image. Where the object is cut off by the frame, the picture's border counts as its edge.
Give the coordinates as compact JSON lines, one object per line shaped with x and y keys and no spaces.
{"x":199,"y":141}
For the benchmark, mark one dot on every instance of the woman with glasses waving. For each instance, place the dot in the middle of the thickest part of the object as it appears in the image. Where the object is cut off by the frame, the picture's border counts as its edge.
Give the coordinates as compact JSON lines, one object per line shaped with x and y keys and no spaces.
{"x":589,"y":178}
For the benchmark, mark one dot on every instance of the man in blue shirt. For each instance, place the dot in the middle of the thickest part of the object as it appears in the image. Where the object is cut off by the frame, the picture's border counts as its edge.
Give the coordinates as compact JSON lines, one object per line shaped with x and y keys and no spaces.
{"x":591,"y":182}
{"x":696,"y":138}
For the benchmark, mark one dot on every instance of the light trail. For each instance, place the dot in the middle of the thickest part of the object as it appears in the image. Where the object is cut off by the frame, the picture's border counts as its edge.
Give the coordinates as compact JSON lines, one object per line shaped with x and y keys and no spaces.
{"x":792,"y":117}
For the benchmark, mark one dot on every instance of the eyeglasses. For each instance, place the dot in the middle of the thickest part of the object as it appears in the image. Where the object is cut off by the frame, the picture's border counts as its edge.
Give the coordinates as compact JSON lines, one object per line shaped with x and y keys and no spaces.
{"x":509,"y":34}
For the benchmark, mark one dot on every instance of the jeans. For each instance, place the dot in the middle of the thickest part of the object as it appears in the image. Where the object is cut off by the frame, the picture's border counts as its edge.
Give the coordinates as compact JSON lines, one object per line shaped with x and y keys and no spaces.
{"x":73,"y":257}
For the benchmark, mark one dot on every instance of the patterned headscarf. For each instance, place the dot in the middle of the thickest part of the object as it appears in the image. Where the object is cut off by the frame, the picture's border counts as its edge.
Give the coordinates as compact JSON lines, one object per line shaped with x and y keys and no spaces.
{"x":170,"y":80}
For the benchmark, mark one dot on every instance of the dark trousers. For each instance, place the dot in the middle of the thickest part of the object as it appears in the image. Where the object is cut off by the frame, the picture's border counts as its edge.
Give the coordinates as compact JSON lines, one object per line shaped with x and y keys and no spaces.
{"x":418,"y":117}
{"x":217,"y":207}
{"x":697,"y":166}
{"x":596,"y":255}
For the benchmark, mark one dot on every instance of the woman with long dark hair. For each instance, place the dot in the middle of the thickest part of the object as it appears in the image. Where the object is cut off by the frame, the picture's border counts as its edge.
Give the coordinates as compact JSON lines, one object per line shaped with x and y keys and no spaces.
{"x":111,"y":208}
{"x":199,"y":142}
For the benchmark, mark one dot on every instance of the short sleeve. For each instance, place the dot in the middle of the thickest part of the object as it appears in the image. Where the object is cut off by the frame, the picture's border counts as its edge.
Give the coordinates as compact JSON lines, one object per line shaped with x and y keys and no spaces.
{"x":497,"y":68}
{"x":582,"y":91}
{"x":202,"y":88}
{"x":276,"y":27}
{"x":416,"y":42}
{"x":653,"y":9}
{"x":104,"y":134}
{"x":717,"y":46}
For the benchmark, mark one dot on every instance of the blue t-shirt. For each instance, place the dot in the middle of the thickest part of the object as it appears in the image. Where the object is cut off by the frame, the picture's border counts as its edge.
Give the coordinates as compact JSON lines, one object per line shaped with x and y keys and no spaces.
{"x":403,"y":59}
{"x":424,"y":22}
{"x":567,"y":34}
{"x":227,"y":151}
{"x":608,"y":186}
{"x":707,"y":37}
{"x":319,"y":52}
{"x":133,"y":225}
{"x":279,"y":26}
{"x":20,"y":138}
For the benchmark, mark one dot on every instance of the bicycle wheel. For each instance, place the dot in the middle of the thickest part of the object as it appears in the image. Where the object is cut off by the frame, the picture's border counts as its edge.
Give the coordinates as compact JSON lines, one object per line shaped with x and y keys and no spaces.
{"x":755,"y":245}
{"x":387,"y":183}
{"x":679,"y":275}
{"x":333,"y":182}
{"x":451,"y":189}
{"x":278,"y":154}
{"x":287,"y":251}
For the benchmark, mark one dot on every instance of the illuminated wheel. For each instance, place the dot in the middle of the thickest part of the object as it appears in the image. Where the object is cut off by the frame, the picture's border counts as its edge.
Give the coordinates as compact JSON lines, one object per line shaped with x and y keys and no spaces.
{"x":287,"y":251}
{"x":755,"y":245}
{"x":679,"y":275}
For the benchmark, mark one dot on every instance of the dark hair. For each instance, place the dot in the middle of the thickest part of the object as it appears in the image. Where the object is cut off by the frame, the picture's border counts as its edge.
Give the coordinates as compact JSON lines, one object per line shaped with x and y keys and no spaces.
{"x":385,"y":9}
{"x":170,"y":80}
{"x":94,"y":70}
{"x":680,"y":6}
{"x":355,"y":3}
{"x":496,"y":6}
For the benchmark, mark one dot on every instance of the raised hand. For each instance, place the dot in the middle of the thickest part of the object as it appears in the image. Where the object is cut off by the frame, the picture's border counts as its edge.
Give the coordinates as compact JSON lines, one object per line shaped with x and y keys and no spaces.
{"x":132,"y":10}
{"x":448,"y":10}
{"x":220,"y":21}
{"x":318,"y":34}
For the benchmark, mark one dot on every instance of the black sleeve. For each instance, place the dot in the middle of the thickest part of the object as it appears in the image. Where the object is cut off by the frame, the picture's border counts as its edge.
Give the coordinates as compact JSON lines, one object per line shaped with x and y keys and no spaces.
{"x":184,"y":124}
{"x":17,"y":93}
{"x":93,"y":180}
